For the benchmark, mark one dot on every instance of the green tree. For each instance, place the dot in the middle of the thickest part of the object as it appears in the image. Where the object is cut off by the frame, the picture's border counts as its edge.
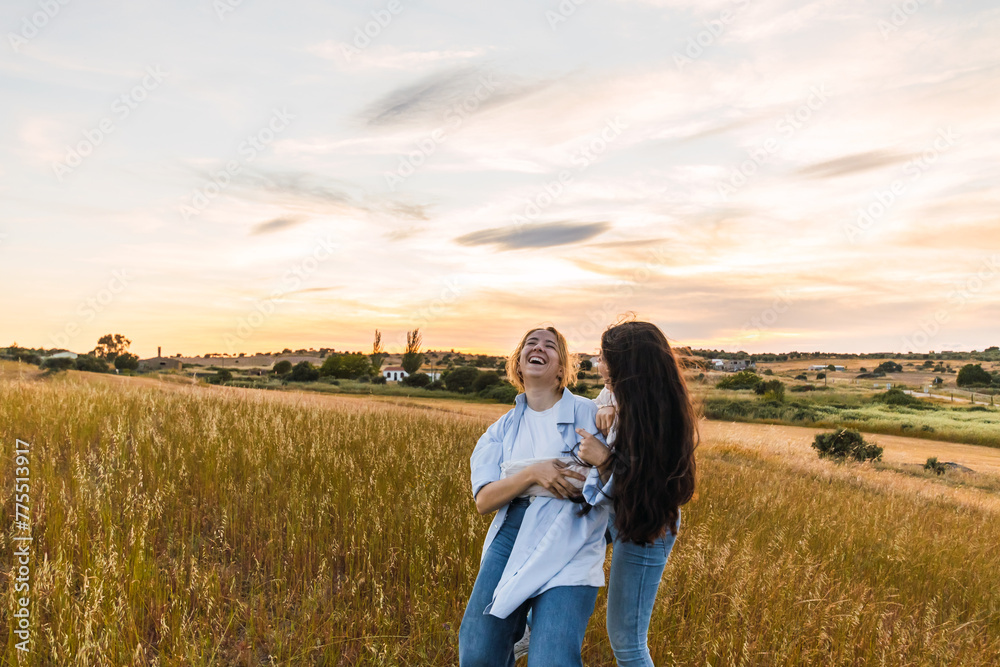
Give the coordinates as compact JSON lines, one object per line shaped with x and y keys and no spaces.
{"x":412,"y":358}
{"x":378,"y":351}
{"x":741,"y":380}
{"x":91,"y":363}
{"x":60,"y":364}
{"x":417,"y":380}
{"x":283,"y":367}
{"x":222,"y":376}
{"x":110,"y":346}
{"x":332,"y":366}
{"x":889,"y":367}
{"x":461,"y":379}
{"x":126,"y":362}
{"x":484,"y":380}
{"x":972,"y":375}
{"x":586,"y":365}
{"x":355,"y":365}
{"x":304,"y":372}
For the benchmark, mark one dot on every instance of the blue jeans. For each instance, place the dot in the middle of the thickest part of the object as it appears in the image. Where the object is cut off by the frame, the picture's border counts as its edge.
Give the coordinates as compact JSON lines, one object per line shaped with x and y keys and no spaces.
{"x":559,"y":615}
{"x":635,"y":578}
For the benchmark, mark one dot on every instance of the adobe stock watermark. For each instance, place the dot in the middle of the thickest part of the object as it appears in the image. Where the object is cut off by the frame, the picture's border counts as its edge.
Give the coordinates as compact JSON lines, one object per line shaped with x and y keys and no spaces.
{"x":786,"y":127}
{"x":88,"y":309}
{"x":454,"y":117}
{"x":899,"y":17}
{"x":768,"y":317}
{"x":585,"y":155}
{"x":883,"y":200}
{"x":292,"y":280}
{"x":224,"y":8}
{"x":21,"y":565}
{"x":562,"y":12}
{"x":713,"y":30}
{"x":121,"y":109}
{"x":963,"y":293}
{"x":248,"y":151}
{"x":603,"y":314}
{"x":366,"y":34}
{"x":32,"y":25}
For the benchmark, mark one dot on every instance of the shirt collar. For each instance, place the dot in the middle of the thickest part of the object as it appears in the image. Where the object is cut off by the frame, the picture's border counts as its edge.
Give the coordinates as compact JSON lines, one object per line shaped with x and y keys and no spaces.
{"x":565,"y":407}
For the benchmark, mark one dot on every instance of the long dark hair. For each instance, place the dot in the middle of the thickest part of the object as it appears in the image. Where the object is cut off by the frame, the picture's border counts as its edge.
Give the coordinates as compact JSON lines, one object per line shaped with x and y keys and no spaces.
{"x":652,"y":456}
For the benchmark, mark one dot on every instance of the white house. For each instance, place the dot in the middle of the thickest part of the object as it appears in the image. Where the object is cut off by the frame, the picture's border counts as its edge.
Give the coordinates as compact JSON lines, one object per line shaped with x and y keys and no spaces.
{"x":394,"y":373}
{"x":61,"y":355}
{"x":817,"y":367}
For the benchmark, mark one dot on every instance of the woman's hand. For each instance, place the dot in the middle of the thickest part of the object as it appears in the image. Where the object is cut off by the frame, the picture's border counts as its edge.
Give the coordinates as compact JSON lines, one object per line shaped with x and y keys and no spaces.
{"x":592,"y":450}
{"x":553,"y":476}
{"x":605,"y":419}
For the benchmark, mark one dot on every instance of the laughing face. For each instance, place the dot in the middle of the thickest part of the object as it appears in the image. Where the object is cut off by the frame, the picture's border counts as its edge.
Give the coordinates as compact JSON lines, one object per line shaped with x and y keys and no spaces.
{"x":539,"y":358}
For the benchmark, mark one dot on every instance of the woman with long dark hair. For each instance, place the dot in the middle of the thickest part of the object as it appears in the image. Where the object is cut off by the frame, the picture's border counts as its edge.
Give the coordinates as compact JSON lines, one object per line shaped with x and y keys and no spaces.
{"x":646,"y":474}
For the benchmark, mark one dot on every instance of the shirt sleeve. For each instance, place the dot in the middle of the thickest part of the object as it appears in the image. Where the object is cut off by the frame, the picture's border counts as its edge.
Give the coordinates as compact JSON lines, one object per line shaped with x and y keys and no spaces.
{"x":595,"y":491}
{"x":485,"y":460}
{"x":604,"y":399}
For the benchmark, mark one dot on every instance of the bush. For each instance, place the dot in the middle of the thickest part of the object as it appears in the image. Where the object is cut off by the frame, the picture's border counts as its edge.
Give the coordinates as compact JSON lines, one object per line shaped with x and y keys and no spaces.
{"x":304,"y":372}
{"x":934,"y":466}
{"x":485,"y":380}
{"x":379,"y":379}
{"x":126,"y":362}
{"x":973,"y":375}
{"x":801,"y":376}
{"x":804,"y":387}
{"x":844,"y":443}
{"x":820,"y":376}
{"x":283,"y":367}
{"x":222,"y":375}
{"x":888,"y":367}
{"x":461,"y":379}
{"x":580,"y":388}
{"x":436,"y":385}
{"x":60,"y":364}
{"x":92,"y":364}
{"x":503,"y":393}
{"x":741,"y":380}
{"x":772,"y":390}
{"x":896,"y":397}
{"x":417,"y":380}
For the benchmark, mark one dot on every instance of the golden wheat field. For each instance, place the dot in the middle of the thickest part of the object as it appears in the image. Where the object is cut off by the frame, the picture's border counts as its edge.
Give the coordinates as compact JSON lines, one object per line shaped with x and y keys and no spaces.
{"x":186,"y":525}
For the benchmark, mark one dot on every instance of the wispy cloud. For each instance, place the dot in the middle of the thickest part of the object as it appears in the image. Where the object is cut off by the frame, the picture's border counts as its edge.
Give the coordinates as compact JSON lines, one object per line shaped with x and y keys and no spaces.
{"x":535,"y":236}
{"x":275,"y":225}
{"x":852,"y":164}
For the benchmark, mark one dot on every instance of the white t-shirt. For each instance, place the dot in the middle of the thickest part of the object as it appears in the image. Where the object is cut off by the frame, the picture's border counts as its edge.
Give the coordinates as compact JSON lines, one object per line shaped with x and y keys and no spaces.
{"x":537,"y":436}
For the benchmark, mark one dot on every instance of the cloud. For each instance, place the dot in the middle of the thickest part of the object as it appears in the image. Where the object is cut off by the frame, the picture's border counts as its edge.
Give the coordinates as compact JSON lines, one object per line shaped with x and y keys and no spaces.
{"x":535,"y":236}
{"x":275,"y":225}
{"x":431,"y":98}
{"x":852,"y":164}
{"x":387,"y":57}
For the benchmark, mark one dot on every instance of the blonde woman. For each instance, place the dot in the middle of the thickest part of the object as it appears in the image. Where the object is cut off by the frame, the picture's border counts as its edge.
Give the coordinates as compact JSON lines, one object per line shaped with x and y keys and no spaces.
{"x":541,"y":554}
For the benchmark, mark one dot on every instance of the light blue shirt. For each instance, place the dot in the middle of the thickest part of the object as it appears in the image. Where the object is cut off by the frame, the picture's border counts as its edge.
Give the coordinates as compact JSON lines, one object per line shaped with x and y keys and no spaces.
{"x":554,"y":546}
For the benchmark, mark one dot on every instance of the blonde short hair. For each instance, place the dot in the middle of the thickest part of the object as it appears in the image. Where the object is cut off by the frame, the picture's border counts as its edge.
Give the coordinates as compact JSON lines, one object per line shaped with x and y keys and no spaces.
{"x":514,"y":375}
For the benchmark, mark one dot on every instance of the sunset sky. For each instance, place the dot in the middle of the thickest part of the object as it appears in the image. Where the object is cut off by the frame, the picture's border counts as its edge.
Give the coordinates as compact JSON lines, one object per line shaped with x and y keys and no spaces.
{"x":240,"y":176}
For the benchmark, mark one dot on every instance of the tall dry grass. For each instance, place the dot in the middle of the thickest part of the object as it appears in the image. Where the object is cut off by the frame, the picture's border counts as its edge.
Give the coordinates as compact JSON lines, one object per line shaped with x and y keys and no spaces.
{"x":212,"y":527}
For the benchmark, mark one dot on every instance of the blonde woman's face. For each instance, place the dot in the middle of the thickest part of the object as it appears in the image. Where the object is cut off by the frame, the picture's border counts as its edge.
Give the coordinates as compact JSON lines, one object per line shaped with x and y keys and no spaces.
{"x":540,"y":358}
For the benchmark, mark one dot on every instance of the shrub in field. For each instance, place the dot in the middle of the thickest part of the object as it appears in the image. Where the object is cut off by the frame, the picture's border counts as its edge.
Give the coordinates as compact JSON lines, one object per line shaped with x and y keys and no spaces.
{"x":380,"y":379}
{"x":222,"y":375}
{"x":768,"y":371}
{"x":844,"y":443}
{"x":417,"y":380}
{"x":304,"y":372}
{"x":86,"y":362}
{"x":820,"y":376}
{"x":485,"y":380}
{"x":56,"y":365}
{"x":433,"y":386}
{"x":772,"y":390}
{"x":126,"y":362}
{"x":888,"y":367}
{"x":283,"y":367}
{"x":804,"y":387}
{"x":973,"y":375}
{"x":502,"y":393}
{"x":461,"y":379}
{"x":896,"y":397}
{"x":935,"y":466}
{"x":741,"y":380}
{"x":801,"y":376}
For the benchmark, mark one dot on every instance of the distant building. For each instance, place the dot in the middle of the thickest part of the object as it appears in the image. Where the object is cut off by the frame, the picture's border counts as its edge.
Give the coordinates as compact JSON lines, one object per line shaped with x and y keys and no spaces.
{"x":160,"y":363}
{"x":394,"y":373}
{"x":61,"y":355}
{"x":733,"y":365}
{"x":818,"y":367}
